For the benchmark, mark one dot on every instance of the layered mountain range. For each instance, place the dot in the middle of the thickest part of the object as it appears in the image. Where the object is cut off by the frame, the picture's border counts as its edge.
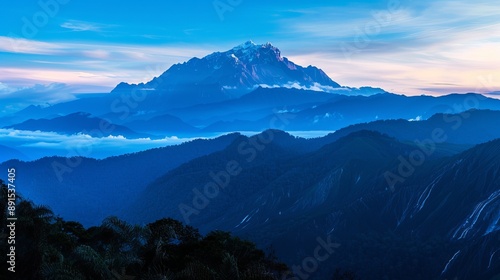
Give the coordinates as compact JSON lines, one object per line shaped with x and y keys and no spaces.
{"x":218,"y":79}
{"x":362,"y":188}
{"x":242,"y":89}
{"x":404,"y":187}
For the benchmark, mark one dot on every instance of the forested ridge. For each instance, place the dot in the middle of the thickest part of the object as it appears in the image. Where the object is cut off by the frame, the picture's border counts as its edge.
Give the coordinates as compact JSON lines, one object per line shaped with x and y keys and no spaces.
{"x":48,"y":247}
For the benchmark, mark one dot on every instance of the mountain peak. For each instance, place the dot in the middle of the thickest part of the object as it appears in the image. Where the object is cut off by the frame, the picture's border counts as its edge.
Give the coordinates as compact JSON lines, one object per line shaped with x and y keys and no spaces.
{"x":251,"y":45}
{"x":249,"y":51}
{"x":235,"y":72}
{"x":246,"y":45}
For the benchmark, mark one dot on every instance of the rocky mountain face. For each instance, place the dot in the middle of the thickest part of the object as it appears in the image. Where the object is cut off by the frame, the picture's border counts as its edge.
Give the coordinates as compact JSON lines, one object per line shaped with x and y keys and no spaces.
{"x":440,"y":212}
{"x":236,"y":71}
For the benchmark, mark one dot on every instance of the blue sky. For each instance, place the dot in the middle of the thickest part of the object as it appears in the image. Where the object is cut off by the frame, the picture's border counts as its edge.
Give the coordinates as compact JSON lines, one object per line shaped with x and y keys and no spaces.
{"x":50,"y":49}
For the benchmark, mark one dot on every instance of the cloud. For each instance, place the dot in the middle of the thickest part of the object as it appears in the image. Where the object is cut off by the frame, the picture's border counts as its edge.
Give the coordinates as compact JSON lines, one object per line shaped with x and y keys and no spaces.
{"x":403,"y":50}
{"x":68,"y":50}
{"x":296,"y":85}
{"x":15,"y":99}
{"x":414,"y":77}
{"x":424,"y":48}
{"x":409,"y":25}
{"x":5,"y":89}
{"x":78,"y":26}
{"x":99,"y":54}
{"x":21,"y":45}
{"x":88,"y":64}
{"x":39,"y":143}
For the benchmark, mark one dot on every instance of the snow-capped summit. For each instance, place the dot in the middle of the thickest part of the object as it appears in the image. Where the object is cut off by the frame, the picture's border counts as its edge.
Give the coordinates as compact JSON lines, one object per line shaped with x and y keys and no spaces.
{"x":249,"y":50}
{"x":238,"y":71}
{"x":246,"y":45}
{"x":250,"y":46}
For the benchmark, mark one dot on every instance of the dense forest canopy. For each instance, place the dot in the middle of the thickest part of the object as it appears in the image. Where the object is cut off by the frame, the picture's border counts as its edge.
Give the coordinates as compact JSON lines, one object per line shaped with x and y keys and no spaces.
{"x":48,"y":247}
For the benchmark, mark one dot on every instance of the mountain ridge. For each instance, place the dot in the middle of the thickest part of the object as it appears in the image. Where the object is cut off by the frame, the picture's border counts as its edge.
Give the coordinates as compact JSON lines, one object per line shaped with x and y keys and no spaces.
{"x":240,"y":69}
{"x":79,"y":122}
{"x":340,"y":190}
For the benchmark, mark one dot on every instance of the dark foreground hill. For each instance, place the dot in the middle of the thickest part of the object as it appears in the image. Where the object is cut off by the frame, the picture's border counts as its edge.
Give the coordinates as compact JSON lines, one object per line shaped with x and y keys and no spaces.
{"x":48,"y":247}
{"x":394,"y":209}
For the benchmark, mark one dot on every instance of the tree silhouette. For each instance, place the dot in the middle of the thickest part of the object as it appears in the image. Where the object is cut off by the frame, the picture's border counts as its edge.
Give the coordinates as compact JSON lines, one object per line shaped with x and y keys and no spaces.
{"x":48,"y":247}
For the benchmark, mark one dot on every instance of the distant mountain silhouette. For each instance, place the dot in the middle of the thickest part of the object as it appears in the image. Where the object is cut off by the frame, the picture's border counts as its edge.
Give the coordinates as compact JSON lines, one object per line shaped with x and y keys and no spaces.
{"x":465,"y":128}
{"x":78,"y":123}
{"x":303,"y":110}
{"x":164,"y":125}
{"x":480,"y":126}
{"x":7,"y":153}
{"x":341,"y":111}
{"x":69,"y":184}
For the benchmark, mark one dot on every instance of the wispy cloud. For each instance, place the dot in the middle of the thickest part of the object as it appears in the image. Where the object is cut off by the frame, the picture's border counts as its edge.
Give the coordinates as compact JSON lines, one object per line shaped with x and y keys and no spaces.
{"x":99,"y":50}
{"x":21,"y":45}
{"x":100,"y":54}
{"x":419,"y":48}
{"x":78,"y":26}
{"x":98,"y":64}
{"x":382,"y":30}
{"x":17,"y":98}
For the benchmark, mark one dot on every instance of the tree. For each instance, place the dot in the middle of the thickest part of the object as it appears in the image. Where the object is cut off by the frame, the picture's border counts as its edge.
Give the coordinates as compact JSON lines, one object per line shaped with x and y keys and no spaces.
{"x":48,"y":247}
